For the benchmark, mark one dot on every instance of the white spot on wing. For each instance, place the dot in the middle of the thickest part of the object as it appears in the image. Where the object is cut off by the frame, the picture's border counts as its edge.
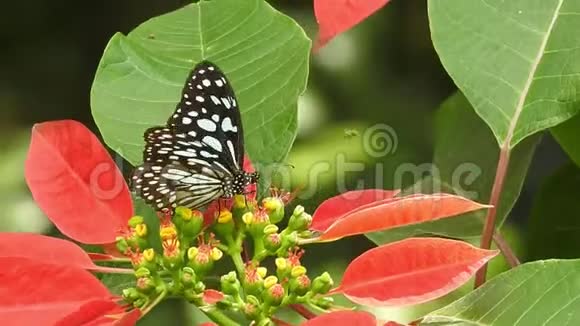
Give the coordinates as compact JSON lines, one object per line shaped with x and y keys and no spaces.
{"x":227,"y":125}
{"x":207,"y":125}
{"x":219,"y":83}
{"x":226,"y":102}
{"x":206,"y":82}
{"x":199,"y":99}
{"x":213,"y":143}
{"x":186,"y":120}
{"x":215,"y":118}
{"x":216,"y":100}
{"x":192,"y":113}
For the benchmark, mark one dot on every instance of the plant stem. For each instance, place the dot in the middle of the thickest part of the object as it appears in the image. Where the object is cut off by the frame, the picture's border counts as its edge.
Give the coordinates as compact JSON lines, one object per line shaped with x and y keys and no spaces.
{"x":157,"y":300}
{"x":303,"y":311}
{"x":280,"y":322}
{"x":220,"y":318}
{"x":506,"y":250}
{"x":238,"y":262}
{"x":489,"y":227}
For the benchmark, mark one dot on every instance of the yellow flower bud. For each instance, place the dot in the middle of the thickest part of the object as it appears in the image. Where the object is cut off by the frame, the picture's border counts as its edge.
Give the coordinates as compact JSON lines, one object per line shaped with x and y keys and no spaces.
{"x":185,"y":213}
{"x":149,"y":254}
{"x":262,"y":271}
{"x":141,"y":230}
{"x":248,"y":218}
{"x":281,"y":263}
{"x":216,"y":254}
{"x":270,"y":281}
{"x":168,"y":232}
{"x":298,"y":271}
{"x":239,"y":201}
{"x":225,"y":216}
{"x":192,"y":252}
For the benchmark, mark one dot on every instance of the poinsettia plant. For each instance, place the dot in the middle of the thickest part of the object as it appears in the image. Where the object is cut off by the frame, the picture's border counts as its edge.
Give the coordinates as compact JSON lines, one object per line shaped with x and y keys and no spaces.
{"x":60,"y":171}
{"x":239,"y":259}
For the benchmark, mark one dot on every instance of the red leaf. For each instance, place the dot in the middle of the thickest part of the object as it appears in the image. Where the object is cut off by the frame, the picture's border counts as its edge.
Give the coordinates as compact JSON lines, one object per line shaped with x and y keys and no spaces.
{"x":129,"y":319}
{"x":47,"y":250}
{"x":91,"y":313}
{"x":33,"y":293}
{"x":337,"y":16}
{"x":212,"y":296}
{"x":76,"y":183}
{"x":400,"y":211}
{"x":336,"y":207}
{"x":411,"y":271}
{"x":343,"y":317}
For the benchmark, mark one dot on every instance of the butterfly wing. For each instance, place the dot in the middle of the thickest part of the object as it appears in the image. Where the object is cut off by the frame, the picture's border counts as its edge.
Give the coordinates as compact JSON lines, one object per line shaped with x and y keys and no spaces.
{"x":186,"y":161}
{"x":208,"y":117}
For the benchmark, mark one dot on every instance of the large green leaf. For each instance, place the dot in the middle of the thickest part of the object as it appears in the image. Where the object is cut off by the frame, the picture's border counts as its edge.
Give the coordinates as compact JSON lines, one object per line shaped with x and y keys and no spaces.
{"x":554,"y":226}
{"x":264,"y":53}
{"x":464,"y":162}
{"x":540,"y":293}
{"x":568,"y":134}
{"x":516,"y":61}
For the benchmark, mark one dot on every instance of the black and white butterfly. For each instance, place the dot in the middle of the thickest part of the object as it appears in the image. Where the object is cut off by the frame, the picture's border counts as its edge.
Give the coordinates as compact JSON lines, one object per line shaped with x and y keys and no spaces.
{"x":198,"y":156}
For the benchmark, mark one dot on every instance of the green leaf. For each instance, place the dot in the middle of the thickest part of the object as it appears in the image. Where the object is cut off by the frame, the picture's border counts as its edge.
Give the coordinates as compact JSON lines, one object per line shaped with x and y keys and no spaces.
{"x":538,"y":293}
{"x":554,"y":226}
{"x":516,"y":61}
{"x":464,"y":163}
{"x":568,"y":134}
{"x":264,"y":54}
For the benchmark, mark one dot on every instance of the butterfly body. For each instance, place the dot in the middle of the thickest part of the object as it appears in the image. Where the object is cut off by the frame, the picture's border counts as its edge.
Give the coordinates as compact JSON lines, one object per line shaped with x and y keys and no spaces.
{"x":198,"y":156}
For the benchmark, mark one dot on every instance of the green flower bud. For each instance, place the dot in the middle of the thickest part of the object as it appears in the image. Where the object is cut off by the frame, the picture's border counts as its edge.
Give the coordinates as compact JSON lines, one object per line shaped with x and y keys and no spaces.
{"x":322,"y":284}
{"x":252,"y":307}
{"x":260,"y":221}
{"x":300,"y":285}
{"x":200,"y":259}
{"x":224,"y":225}
{"x":189,"y":222}
{"x":142,"y":272}
{"x":275,"y":208}
{"x":253,"y":280}
{"x":130,"y":295}
{"x":135,"y":220}
{"x":122,"y":245}
{"x":188,"y":277}
{"x":145,"y":284}
{"x":172,"y":254}
{"x":272,"y":242}
{"x":274,"y":294}
{"x":230,"y":284}
{"x":270,"y":229}
{"x":299,"y":221}
{"x":324,"y":302}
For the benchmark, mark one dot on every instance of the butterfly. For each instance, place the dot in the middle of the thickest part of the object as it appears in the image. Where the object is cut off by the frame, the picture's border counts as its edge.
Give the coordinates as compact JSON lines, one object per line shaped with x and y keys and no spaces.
{"x":198,"y":155}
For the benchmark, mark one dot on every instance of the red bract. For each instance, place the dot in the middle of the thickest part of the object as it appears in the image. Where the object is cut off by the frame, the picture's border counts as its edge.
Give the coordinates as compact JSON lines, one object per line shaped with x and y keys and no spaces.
{"x":212,"y":296}
{"x":76,"y":183}
{"x":346,"y":317}
{"x":34,"y":293}
{"x":396,"y":212}
{"x":411,"y":271}
{"x":337,"y":16}
{"x":336,"y":207}
{"x":48,"y":250}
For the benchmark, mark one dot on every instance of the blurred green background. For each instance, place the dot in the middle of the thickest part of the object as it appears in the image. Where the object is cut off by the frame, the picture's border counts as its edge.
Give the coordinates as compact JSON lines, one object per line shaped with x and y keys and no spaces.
{"x":383,"y":71}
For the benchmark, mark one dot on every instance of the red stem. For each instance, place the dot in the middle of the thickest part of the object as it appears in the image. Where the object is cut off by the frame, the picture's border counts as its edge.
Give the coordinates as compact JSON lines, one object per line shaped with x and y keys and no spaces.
{"x":506,"y":250}
{"x":489,"y":227}
{"x":303,"y":311}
